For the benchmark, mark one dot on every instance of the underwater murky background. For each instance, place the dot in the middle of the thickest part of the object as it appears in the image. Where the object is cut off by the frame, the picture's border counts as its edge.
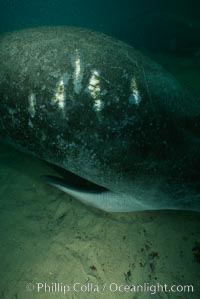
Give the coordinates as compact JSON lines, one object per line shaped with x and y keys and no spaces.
{"x":47,"y":236}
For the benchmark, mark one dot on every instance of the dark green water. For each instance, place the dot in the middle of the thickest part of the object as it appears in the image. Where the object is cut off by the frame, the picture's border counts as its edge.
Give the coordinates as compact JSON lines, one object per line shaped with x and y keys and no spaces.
{"x":158,"y":24}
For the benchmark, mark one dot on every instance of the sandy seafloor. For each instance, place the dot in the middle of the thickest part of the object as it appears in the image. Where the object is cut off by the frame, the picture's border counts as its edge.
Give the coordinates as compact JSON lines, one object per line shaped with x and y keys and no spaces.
{"x":48,"y":237}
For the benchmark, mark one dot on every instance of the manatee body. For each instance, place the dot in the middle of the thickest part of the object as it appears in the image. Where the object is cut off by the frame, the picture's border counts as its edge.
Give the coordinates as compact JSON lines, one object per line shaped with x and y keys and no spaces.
{"x":100,"y":109}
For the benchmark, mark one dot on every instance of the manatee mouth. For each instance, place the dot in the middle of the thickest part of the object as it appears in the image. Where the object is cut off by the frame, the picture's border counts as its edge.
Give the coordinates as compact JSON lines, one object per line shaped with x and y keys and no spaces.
{"x":71,"y":180}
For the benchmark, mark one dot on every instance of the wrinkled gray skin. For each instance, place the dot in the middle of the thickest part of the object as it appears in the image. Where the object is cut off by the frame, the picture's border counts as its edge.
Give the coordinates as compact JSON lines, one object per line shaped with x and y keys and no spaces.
{"x":98,"y":108}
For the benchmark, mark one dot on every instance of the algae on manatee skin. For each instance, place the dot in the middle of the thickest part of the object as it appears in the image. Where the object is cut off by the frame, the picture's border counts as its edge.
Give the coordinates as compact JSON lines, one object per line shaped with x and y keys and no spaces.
{"x":147,"y":117}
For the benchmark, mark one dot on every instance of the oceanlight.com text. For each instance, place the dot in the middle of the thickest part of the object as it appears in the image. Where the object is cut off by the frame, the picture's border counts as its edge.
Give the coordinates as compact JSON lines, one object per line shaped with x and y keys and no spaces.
{"x":89,"y":287}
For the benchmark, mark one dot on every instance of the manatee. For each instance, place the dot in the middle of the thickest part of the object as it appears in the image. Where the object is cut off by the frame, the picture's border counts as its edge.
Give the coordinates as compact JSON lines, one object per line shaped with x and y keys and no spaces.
{"x":100,"y":109}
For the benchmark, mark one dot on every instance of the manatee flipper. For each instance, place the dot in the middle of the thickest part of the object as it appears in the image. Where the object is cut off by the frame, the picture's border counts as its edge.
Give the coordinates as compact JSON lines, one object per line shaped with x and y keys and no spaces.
{"x":97,"y":196}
